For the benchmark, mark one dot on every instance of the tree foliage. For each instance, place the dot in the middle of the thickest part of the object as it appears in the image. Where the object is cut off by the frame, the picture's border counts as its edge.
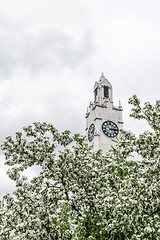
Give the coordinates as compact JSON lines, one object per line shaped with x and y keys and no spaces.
{"x":80,"y":194}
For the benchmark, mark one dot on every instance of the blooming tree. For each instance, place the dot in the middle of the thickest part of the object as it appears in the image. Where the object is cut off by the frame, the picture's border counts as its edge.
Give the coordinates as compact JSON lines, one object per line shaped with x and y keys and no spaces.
{"x":80,"y":194}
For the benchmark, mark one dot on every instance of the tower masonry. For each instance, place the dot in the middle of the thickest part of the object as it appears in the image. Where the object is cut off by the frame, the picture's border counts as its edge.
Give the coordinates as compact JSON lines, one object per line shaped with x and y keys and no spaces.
{"x":103,"y":119}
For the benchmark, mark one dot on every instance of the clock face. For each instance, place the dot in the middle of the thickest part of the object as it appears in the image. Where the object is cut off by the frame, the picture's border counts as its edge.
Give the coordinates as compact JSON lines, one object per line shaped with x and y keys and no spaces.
{"x":91,"y":132}
{"x":110,"y":129}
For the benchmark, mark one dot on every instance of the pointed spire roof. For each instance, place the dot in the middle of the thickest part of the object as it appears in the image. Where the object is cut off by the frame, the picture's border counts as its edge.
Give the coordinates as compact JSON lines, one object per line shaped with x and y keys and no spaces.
{"x":102,"y":81}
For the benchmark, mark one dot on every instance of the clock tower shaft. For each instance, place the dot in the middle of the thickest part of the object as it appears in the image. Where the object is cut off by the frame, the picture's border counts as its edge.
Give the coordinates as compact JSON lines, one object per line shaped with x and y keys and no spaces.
{"x":103,"y":119}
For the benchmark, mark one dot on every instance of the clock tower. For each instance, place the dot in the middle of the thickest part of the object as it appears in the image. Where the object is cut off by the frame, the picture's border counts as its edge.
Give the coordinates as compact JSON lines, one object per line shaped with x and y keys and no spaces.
{"x":103,"y":119}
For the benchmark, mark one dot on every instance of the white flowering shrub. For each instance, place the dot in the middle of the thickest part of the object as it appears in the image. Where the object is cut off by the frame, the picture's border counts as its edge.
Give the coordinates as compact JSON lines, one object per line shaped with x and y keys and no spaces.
{"x":80,"y":194}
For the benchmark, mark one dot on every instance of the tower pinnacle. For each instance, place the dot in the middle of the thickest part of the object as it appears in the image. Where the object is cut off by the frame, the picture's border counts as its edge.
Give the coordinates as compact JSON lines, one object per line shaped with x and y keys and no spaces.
{"x":102,"y":77}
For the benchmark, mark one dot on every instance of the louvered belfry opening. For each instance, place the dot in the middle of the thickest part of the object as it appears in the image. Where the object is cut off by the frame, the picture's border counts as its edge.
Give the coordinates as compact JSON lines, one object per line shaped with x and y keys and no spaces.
{"x":106,"y":91}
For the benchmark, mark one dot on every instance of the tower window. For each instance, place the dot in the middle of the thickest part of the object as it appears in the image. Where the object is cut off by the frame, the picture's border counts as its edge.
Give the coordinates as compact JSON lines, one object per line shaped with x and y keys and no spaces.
{"x":106,"y":91}
{"x":95,"y":93}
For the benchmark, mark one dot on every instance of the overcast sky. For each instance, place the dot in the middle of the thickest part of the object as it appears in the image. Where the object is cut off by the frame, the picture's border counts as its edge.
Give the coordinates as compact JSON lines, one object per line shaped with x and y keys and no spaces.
{"x":52,"y":52}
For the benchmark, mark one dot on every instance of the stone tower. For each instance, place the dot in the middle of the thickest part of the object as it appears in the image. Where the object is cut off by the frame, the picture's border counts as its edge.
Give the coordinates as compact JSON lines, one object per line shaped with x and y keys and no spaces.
{"x":103,"y":119}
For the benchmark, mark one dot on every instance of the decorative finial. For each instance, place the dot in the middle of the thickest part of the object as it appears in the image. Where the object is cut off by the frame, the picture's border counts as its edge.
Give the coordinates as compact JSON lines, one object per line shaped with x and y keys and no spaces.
{"x":120,"y":106}
{"x":102,"y":75}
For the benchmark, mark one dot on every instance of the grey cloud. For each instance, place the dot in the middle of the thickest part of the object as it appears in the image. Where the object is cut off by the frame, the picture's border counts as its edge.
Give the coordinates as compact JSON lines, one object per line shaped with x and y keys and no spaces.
{"x":41,"y":49}
{"x":7,"y":55}
{"x":55,"y":49}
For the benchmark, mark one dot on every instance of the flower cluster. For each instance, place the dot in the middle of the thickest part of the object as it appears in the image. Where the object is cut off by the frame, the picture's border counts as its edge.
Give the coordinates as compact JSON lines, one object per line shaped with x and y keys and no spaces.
{"x":80,"y":194}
